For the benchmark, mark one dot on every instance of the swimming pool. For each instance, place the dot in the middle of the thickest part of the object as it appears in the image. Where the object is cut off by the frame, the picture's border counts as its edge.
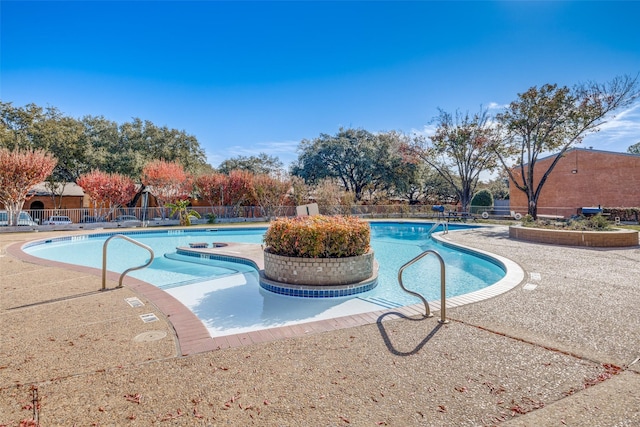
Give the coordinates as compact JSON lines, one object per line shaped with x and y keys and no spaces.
{"x":227,"y":298}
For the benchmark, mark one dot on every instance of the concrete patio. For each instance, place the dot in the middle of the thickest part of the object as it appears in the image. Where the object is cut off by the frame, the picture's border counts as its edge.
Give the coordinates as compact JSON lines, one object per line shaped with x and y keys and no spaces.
{"x":561,"y":348}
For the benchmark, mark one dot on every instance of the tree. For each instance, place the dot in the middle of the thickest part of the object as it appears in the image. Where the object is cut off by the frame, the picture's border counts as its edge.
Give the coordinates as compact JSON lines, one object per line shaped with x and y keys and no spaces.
{"x":218,"y":189}
{"x":332,"y":197}
{"x":437,"y":190}
{"x":269,"y":192}
{"x":56,"y":190}
{"x":634,"y":149}
{"x":257,"y":165}
{"x":414,"y":179}
{"x":20,"y":171}
{"x":396,"y":174}
{"x":100,"y":142}
{"x":459,"y":151}
{"x":355,"y":157}
{"x":16,"y":125}
{"x":108,"y":191}
{"x":481,"y":200}
{"x":551,"y":119}
{"x":407,"y":181}
{"x":299,"y":194}
{"x":210,"y":187}
{"x":238,"y":190}
{"x":167,"y":181}
{"x":161,"y":143}
{"x":499,"y":186}
{"x":32,"y":127}
{"x":61,"y":136}
{"x":95,"y":142}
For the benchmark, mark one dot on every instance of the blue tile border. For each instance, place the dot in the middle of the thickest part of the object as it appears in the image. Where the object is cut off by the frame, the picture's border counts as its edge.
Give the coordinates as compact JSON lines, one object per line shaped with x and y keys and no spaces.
{"x":217,"y":257}
{"x":305,"y":291}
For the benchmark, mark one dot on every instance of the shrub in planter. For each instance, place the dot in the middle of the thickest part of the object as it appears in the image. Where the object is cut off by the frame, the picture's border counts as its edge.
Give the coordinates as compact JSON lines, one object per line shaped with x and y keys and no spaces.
{"x":329,"y":252}
{"x":318,"y":236}
{"x":581,"y":223}
{"x":598,"y":223}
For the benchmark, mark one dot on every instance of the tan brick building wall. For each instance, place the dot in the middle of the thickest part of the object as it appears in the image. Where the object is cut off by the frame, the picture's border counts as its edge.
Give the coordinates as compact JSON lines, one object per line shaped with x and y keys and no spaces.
{"x":585,"y":177}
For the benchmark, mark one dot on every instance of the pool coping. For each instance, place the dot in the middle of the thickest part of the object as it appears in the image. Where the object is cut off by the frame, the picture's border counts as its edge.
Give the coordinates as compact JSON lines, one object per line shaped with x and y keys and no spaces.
{"x":193,"y":337}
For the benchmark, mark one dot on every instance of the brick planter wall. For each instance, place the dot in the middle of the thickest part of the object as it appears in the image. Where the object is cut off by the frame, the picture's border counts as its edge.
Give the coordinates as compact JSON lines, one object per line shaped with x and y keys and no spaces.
{"x":603,"y":239}
{"x":318,"y":271}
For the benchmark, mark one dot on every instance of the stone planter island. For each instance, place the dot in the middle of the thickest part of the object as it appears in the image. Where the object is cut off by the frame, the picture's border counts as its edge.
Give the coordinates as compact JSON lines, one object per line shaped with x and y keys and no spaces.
{"x":319,"y":257}
{"x":318,"y":271}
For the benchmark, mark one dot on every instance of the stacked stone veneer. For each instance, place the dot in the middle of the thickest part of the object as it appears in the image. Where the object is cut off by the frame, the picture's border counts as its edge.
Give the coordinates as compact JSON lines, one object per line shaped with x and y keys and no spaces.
{"x":618,"y":238}
{"x":318,"y":271}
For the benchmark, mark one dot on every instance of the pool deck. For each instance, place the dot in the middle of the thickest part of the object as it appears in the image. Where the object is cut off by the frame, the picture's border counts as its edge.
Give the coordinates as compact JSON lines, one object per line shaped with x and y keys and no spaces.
{"x":562,"y":347}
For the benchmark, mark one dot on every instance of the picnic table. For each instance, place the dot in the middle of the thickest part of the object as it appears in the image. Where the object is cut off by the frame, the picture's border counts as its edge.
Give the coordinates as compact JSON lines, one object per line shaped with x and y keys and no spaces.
{"x":460,"y":216}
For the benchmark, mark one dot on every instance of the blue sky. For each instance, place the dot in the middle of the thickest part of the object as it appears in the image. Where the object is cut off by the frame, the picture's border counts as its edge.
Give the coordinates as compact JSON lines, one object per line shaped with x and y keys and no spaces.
{"x":250,"y":77}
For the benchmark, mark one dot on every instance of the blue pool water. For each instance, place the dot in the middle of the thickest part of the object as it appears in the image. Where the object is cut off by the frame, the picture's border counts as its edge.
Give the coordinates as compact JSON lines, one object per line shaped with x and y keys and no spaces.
{"x":227,"y":298}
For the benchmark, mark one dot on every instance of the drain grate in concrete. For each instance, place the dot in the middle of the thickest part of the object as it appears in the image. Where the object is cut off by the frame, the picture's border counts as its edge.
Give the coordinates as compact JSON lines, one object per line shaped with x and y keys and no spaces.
{"x":134,"y":302}
{"x":149,"y":317}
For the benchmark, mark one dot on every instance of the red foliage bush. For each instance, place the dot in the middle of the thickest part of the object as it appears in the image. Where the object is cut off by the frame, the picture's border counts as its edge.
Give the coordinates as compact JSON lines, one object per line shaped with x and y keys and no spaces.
{"x":318,"y":236}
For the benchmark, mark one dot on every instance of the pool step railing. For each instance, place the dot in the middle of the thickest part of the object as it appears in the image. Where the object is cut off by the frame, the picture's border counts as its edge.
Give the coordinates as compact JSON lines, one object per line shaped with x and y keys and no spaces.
{"x":127,"y":271}
{"x":445,"y":227}
{"x":443,"y":314}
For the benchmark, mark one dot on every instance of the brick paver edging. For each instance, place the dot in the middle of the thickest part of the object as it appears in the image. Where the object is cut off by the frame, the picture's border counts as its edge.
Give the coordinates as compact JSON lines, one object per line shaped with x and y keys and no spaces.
{"x":193,"y":337}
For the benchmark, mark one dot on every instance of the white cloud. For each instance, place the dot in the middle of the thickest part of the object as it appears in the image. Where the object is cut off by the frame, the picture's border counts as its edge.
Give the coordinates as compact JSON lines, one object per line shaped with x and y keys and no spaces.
{"x":618,"y":133}
{"x":496,"y":106}
{"x":426,"y":131}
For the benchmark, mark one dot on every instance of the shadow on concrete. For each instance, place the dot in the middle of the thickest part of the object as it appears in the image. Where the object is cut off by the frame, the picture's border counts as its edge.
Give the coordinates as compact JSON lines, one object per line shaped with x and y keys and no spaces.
{"x":65,"y":298}
{"x":387,"y":339}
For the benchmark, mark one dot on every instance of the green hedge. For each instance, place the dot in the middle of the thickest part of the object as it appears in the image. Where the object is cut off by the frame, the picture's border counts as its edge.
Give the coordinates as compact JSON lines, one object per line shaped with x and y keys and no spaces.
{"x":625,"y":214}
{"x":481,"y":201}
{"x":318,"y":236}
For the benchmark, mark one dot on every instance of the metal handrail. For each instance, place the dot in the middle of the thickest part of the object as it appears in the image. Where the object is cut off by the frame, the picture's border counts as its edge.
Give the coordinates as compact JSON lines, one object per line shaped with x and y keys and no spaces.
{"x":443,"y":303}
{"x":445,"y":228}
{"x":124,"y":273}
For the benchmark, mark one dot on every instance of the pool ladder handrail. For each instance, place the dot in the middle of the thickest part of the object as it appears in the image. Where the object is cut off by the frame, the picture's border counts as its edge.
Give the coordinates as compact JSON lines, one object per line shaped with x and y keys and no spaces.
{"x":445,"y":227}
{"x":124,"y":273}
{"x":443,"y":302}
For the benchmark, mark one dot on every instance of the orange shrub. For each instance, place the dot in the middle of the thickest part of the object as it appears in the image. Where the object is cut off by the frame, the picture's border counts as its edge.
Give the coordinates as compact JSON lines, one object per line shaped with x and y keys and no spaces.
{"x":318,"y":236}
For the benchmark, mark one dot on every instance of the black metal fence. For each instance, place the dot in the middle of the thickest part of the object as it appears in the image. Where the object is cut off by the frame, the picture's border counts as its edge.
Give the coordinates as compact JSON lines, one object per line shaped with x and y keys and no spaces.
{"x":213,"y":214}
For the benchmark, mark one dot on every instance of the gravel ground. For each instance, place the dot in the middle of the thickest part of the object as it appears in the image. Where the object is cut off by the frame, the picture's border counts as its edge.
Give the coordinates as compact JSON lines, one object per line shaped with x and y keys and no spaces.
{"x":559,"y":354}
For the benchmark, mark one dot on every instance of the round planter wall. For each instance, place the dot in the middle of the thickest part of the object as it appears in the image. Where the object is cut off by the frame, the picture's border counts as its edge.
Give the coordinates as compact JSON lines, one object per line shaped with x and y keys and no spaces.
{"x":318,"y":271}
{"x":601,"y":239}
